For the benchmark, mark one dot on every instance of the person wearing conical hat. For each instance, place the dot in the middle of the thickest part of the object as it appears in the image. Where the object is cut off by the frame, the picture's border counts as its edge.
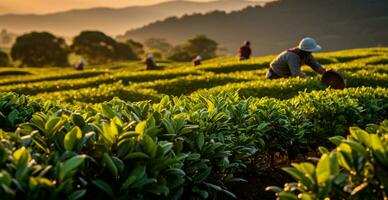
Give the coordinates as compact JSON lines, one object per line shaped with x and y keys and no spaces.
{"x":80,"y":65}
{"x":150,"y":63}
{"x":197,"y":61}
{"x":289,"y":62}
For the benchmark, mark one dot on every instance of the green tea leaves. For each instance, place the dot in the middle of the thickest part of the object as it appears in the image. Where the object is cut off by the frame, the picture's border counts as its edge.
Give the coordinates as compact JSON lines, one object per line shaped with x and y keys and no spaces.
{"x":73,"y":139}
{"x":69,"y":165}
{"x":21,"y":157}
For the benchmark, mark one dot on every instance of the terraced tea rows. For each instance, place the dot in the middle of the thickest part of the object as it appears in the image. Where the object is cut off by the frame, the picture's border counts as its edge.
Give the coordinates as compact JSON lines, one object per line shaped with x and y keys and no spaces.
{"x":215,"y":138}
{"x":361,"y":67}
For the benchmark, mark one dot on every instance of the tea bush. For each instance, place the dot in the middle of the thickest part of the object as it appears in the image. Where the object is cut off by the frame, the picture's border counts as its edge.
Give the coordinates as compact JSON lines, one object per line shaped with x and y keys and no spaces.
{"x":355,"y":169}
{"x":15,"y":109}
{"x":186,"y":147}
{"x":36,"y":87}
{"x":287,"y":88}
{"x":104,"y":92}
{"x":189,"y":84}
{"x":49,"y":77}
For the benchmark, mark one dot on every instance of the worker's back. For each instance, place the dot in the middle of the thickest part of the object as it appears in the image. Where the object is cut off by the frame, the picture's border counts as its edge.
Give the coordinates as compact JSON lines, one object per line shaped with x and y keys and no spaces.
{"x":150,"y":64}
{"x":245,"y":52}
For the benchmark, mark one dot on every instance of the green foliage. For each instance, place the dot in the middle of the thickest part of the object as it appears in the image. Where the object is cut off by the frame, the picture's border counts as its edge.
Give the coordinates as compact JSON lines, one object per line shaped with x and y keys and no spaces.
{"x":4,"y":60}
{"x":187,"y":147}
{"x":15,"y":109}
{"x":6,"y":38}
{"x":202,"y":45}
{"x":37,"y":49}
{"x":287,"y":88}
{"x":213,"y":76}
{"x":137,"y":47}
{"x":46,"y":77}
{"x":99,"y":48}
{"x":104,"y":92}
{"x":158,"y":44}
{"x":124,"y":51}
{"x":180,"y":53}
{"x":13,"y":72}
{"x":198,"y":45}
{"x":355,"y":169}
{"x":189,"y":84}
{"x":73,"y":81}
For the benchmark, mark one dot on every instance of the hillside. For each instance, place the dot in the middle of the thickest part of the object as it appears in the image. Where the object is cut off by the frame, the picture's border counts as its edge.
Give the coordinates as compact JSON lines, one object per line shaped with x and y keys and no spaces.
{"x":336,"y":24}
{"x":112,"y":21}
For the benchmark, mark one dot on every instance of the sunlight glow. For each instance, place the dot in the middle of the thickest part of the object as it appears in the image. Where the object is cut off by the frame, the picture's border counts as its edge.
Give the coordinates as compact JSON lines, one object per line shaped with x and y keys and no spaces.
{"x":50,"y":6}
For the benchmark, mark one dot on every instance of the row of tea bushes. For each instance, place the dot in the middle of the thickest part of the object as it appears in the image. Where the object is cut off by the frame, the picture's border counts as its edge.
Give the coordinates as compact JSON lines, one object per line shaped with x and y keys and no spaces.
{"x":104,"y":92}
{"x":180,"y":148}
{"x":288,"y":88}
{"x":36,"y":86}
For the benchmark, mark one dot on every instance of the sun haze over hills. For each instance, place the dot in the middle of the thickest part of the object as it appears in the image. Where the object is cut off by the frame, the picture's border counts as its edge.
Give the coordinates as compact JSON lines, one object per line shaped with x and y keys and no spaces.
{"x":110,"y":20}
{"x":50,"y":6}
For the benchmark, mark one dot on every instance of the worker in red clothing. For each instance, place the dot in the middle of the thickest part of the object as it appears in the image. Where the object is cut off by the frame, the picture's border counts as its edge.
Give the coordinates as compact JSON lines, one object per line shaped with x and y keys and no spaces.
{"x":245,"y":51}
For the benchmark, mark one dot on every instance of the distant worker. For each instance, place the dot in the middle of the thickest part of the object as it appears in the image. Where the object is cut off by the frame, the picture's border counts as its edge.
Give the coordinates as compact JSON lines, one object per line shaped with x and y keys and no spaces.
{"x":289,"y":62}
{"x":245,"y":51}
{"x":197,"y":61}
{"x":80,"y":65}
{"x":150,"y":63}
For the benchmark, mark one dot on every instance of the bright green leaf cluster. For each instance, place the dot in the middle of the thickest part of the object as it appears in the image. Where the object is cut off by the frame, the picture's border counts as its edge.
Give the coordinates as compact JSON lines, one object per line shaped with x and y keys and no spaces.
{"x":355,"y":169}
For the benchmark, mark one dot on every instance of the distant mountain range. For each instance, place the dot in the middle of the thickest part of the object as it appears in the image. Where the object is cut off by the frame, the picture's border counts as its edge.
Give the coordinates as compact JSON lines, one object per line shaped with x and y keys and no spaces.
{"x":336,"y":24}
{"x":113,"y":21}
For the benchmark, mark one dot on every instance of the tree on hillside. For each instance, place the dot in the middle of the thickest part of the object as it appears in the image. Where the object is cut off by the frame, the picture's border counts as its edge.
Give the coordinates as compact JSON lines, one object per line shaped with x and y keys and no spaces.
{"x":94,"y":46}
{"x":202,"y":45}
{"x":99,"y":48}
{"x":40,"y":49}
{"x":137,"y":47}
{"x":124,"y":51}
{"x":6,"y":38}
{"x":4,"y":60}
{"x":180,"y":53}
{"x":198,"y":45}
{"x":159,"y":44}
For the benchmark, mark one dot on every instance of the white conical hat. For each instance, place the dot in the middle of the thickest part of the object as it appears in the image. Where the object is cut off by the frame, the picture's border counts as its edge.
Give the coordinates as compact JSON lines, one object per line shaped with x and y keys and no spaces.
{"x":309,"y":45}
{"x":150,"y":56}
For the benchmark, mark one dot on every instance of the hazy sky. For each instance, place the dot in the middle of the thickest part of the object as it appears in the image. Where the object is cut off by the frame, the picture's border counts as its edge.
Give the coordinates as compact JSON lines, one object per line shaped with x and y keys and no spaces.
{"x":48,"y":6}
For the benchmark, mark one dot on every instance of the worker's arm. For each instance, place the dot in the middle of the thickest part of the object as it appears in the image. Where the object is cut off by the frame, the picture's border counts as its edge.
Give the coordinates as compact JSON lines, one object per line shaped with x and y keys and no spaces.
{"x":314,"y":64}
{"x":294,"y":65}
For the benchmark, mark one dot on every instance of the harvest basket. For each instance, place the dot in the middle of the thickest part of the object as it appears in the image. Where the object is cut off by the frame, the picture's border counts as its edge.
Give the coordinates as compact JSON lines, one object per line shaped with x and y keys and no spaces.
{"x":333,"y":80}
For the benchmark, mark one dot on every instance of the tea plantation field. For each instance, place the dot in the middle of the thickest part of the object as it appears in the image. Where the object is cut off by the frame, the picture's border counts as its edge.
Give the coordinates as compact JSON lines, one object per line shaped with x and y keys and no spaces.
{"x":360,"y":67}
{"x":216,"y":131}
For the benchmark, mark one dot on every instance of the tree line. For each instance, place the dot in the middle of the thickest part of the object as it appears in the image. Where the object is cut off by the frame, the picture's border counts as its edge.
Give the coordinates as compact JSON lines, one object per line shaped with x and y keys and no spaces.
{"x":39,"y":49}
